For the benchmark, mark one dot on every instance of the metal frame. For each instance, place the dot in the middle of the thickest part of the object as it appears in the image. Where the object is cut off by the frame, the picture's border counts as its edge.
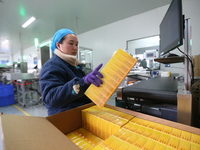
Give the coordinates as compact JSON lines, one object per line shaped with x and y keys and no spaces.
{"x":27,"y":94}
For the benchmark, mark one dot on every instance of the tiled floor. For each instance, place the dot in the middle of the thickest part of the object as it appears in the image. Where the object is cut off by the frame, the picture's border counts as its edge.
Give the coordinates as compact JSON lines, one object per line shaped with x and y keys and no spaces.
{"x":35,"y":110}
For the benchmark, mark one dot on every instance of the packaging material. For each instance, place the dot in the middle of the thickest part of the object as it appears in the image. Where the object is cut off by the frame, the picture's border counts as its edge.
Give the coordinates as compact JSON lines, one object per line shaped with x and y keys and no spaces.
{"x":84,"y":139}
{"x":165,"y":74}
{"x":114,"y":72}
{"x":131,"y":133}
{"x":103,"y":122}
{"x":49,"y":133}
{"x":196,"y":61}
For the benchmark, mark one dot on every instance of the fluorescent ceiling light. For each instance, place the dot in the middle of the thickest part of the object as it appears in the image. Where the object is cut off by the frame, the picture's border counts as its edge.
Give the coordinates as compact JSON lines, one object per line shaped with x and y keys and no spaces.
{"x":28,"y":22}
{"x":45,"y":43}
{"x":36,"y":42}
{"x":5,"y":41}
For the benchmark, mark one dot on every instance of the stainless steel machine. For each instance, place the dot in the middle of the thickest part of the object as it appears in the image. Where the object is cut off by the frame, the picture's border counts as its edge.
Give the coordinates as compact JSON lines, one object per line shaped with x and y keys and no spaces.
{"x":149,"y":56}
{"x":20,"y":67}
{"x":27,"y":88}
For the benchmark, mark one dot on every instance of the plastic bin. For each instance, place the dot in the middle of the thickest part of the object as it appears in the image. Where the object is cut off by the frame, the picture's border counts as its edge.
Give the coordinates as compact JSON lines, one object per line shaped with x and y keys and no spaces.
{"x":6,"y":95}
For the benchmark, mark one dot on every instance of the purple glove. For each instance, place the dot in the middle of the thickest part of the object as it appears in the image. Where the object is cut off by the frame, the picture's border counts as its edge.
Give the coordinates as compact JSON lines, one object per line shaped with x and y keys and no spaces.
{"x":93,"y":77}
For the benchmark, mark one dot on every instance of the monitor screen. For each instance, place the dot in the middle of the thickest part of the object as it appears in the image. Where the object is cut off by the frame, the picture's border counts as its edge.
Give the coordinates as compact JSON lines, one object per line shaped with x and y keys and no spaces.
{"x":171,"y":28}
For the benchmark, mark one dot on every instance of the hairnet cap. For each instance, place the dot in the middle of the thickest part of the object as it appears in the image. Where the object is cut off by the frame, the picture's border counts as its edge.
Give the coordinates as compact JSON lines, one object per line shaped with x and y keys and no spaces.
{"x":58,"y":36}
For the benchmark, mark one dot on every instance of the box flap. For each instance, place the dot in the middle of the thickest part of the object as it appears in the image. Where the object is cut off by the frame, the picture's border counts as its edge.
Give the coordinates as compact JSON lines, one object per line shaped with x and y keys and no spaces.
{"x":28,"y":133}
{"x":68,"y":120}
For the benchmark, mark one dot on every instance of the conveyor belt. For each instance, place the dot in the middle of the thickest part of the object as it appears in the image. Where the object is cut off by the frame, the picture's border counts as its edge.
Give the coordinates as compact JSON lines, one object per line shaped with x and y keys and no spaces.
{"x":161,"y":89}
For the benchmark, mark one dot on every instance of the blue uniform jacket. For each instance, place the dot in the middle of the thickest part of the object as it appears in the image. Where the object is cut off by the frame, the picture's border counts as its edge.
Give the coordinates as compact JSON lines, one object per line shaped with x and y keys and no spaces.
{"x":57,"y":79}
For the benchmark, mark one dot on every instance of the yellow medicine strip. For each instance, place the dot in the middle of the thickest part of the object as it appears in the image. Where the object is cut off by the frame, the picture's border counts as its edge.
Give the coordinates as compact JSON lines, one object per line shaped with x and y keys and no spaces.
{"x":119,"y":133}
{"x":164,"y":138}
{"x":152,"y":125}
{"x":186,"y":136}
{"x":136,"y":120}
{"x":155,"y":135}
{"x":125,"y":146}
{"x":144,"y":122}
{"x":131,"y":127}
{"x":88,"y":136}
{"x":71,"y":136}
{"x":167,"y":129}
{"x":195,"y":139}
{"x":117,"y":143}
{"x":173,"y":142}
{"x":98,"y":147}
{"x":132,"y":138}
{"x":160,"y":127}
{"x":108,"y":142}
{"x":123,"y":63}
{"x":125,"y":134}
{"x":113,"y":112}
{"x":195,"y":147}
{"x":79,"y":141}
{"x":149,"y":145}
{"x":176,"y":132}
{"x":84,"y":139}
{"x":140,"y":130}
{"x":160,"y":146}
{"x":169,"y":148}
{"x":184,"y":145}
{"x":140,"y":142}
{"x":148,"y":132}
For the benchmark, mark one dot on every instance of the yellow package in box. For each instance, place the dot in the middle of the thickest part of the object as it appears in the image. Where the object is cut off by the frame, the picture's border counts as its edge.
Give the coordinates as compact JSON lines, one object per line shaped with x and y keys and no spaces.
{"x":101,"y":123}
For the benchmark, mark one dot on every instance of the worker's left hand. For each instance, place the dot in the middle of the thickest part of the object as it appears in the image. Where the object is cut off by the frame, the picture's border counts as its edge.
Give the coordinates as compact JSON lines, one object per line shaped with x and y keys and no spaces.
{"x":94,"y":77}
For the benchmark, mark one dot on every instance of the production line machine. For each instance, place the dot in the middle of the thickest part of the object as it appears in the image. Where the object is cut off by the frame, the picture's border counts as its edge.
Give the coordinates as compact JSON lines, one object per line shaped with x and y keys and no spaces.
{"x":26,"y":88}
{"x":162,"y":97}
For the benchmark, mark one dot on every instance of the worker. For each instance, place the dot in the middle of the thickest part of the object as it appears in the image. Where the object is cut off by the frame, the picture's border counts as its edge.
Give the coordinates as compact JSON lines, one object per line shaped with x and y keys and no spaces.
{"x":62,"y":79}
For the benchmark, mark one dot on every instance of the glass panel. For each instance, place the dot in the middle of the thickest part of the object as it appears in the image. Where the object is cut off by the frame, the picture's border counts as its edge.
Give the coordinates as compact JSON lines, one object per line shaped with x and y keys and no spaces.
{"x":145,"y":50}
{"x":85,"y":56}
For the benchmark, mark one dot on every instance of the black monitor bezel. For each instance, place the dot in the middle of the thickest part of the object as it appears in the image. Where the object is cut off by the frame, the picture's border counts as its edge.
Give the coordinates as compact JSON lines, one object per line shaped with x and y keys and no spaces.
{"x":175,"y":7}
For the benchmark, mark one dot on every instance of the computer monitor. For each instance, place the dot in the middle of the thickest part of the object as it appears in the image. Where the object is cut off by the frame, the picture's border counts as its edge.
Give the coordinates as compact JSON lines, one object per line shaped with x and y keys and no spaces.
{"x":171,"y":28}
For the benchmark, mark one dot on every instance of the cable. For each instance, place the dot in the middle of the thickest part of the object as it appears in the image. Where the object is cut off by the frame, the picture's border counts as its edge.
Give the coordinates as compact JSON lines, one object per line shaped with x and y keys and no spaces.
{"x":192,"y":66}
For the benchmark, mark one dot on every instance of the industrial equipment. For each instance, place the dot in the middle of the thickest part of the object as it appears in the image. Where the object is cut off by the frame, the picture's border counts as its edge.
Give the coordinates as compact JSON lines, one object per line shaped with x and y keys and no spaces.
{"x":20,"y":67}
{"x":149,"y":56}
{"x":27,"y":88}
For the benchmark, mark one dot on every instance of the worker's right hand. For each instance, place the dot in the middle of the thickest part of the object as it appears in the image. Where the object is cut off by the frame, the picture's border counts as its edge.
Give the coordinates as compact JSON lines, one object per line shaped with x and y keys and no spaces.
{"x":94,"y":77}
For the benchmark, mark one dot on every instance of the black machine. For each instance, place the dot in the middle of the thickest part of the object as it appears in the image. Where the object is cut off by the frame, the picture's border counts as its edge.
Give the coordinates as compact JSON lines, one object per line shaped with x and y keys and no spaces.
{"x":154,"y":96}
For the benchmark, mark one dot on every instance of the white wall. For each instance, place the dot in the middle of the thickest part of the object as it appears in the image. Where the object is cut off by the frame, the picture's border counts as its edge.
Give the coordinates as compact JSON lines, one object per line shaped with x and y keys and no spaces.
{"x":192,"y":11}
{"x":107,"y":39}
{"x":17,"y":56}
{"x":30,"y":53}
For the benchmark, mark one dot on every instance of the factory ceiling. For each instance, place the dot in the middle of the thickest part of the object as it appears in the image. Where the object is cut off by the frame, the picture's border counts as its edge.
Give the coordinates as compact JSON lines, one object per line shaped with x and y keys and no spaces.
{"x":51,"y":15}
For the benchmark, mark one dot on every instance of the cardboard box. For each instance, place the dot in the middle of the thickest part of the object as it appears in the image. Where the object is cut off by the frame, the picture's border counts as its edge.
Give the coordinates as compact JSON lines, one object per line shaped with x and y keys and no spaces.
{"x":40,"y":133}
{"x":196,"y":61}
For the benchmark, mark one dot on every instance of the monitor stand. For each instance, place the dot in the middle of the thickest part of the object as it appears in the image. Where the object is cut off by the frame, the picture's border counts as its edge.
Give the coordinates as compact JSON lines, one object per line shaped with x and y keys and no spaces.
{"x":168,"y":55}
